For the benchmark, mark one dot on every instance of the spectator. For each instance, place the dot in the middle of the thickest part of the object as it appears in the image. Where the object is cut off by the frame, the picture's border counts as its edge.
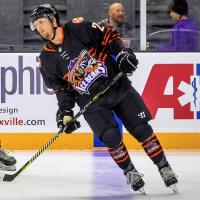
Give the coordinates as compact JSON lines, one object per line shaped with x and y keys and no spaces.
{"x":184,"y":35}
{"x":115,"y":20}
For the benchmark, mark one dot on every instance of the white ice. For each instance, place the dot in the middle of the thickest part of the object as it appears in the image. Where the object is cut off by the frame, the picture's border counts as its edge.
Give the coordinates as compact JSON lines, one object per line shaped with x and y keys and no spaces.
{"x":92,"y":175}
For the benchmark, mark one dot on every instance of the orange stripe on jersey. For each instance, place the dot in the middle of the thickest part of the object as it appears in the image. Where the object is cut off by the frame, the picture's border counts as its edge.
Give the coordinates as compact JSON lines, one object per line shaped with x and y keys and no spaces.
{"x":93,"y":54}
{"x":115,"y":34}
{"x":104,"y":57}
{"x":49,"y":50}
{"x":116,"y":38}
{"x":99,"y":58}
{"x":91,"y":50}
{"x":112,"y":37}
{"x":107,"y":32}
{"x":107,"y":38}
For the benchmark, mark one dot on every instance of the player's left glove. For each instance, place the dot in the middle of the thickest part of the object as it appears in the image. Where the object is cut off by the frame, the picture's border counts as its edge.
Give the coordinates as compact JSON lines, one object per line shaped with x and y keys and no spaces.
{"x":127,"y":61}
{"x":63,"y":117}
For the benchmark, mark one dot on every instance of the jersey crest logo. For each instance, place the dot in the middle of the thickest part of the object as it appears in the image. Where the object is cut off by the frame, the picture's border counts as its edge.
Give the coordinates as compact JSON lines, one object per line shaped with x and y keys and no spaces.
{"x":84,"y":71}
{"x":77,"y":20}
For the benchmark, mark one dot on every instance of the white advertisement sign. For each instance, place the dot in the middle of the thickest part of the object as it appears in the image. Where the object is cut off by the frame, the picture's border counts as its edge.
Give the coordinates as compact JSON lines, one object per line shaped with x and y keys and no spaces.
{"x":27,"y":106}
{"x":170,"y":85}
{"x":168,"y":82}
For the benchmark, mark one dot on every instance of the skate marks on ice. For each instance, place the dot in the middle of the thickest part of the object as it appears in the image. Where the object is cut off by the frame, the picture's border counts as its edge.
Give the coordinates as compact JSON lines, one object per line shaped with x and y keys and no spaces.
{"x":84,"y":175}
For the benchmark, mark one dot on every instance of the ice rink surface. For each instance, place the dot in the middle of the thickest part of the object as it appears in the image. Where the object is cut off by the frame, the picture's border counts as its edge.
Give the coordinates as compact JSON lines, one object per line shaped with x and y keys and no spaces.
{"x":92,"y":175}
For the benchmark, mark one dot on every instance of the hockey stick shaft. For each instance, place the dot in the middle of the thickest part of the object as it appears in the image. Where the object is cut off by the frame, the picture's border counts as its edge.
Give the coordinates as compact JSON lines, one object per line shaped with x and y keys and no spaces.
{"x":11,"y":177}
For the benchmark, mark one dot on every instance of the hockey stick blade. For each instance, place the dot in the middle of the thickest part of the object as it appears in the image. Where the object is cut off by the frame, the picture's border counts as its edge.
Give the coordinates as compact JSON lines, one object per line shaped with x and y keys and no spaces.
{"x":11,"y":177}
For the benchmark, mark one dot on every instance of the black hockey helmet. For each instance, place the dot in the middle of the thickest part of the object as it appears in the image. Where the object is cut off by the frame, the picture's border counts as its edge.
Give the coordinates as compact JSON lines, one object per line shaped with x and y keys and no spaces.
{"x":45,"y":10}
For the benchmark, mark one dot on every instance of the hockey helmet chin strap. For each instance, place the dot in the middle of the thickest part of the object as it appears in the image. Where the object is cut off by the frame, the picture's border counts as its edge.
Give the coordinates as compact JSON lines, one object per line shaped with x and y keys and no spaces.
{"x":54,"y":32}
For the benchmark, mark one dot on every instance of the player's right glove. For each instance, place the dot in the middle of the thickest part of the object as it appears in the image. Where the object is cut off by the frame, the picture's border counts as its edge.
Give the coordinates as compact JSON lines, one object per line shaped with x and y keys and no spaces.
{"x":127,"y":61}
{"x":63,"y":117}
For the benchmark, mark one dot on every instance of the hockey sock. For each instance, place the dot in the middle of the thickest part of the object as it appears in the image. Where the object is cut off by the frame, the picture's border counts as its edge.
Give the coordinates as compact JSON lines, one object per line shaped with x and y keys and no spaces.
{"x":155,"y":151}
{"x":120,"y":156}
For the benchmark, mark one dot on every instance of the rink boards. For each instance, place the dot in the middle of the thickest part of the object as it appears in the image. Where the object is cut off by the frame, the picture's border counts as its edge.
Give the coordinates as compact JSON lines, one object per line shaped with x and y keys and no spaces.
{"x":168,"y":82}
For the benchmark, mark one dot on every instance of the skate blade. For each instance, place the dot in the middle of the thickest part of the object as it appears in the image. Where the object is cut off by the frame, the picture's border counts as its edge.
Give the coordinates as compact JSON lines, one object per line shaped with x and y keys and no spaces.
{"x":174,"y":188}
{"x":142,"y":191}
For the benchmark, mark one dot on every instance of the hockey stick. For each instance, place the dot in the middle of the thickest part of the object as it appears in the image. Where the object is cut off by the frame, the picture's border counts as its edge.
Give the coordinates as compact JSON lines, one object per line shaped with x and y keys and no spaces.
{"x":11,"y":177}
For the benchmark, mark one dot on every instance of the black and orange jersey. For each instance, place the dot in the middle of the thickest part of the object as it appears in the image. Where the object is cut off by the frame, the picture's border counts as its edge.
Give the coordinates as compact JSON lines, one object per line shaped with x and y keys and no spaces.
{"x":82,"y":64}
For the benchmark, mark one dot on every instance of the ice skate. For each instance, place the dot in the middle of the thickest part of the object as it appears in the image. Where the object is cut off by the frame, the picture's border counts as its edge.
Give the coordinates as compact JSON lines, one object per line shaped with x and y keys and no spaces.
{"x":169,"y":178}
{"x":7,"y":163}
{"x":135,"y":180}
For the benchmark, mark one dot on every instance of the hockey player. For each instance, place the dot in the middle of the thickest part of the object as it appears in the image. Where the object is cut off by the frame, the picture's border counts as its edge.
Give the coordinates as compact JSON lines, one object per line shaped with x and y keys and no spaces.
{"x":7,"y":163}
{"x":80,"y":58}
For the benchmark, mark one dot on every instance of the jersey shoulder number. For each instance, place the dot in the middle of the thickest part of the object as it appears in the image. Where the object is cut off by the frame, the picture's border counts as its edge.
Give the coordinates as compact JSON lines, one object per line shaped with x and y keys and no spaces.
{"x":95,"y":25}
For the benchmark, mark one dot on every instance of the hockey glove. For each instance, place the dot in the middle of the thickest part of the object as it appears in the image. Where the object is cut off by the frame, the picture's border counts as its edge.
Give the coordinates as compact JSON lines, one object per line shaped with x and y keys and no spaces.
{"x":63,"y":118}
{"x":127,"y":61}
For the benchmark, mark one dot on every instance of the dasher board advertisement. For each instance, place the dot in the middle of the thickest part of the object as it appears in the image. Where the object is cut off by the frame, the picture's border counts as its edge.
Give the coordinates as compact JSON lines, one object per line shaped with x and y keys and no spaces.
{"x":168,"y":82}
